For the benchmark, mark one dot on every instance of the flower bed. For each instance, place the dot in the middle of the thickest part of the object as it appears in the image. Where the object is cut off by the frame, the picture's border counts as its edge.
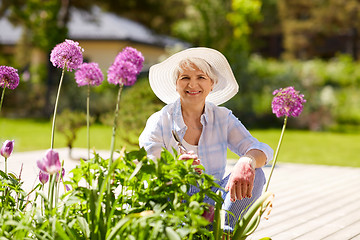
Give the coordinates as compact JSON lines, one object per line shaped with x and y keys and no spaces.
{"x":127,"y":197}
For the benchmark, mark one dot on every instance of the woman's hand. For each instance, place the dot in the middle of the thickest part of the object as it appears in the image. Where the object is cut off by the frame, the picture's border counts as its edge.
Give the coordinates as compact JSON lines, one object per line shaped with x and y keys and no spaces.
{"x":241,"y":181}
{"x":191,"y":155}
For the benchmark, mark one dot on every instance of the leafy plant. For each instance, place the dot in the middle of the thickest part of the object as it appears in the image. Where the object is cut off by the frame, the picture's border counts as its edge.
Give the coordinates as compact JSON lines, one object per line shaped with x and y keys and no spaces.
{"x":148,"y":200}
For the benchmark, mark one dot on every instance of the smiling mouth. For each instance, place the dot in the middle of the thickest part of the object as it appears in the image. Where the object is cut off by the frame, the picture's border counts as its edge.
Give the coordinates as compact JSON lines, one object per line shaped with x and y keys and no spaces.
{"x":193,"y":92}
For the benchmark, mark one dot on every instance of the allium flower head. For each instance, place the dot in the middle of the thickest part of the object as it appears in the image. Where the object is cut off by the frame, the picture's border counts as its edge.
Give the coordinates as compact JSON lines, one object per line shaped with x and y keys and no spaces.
{"x":127,"y":65}
{"x":7,"y":148}
{"x":67,"y":54}
{"x":132,"y":55}
{"x":50,"y":163}
{"x":89,"y":74}
{"x":43,"y":177}
{"x":287,"y":102}
{"x":9,"y":77}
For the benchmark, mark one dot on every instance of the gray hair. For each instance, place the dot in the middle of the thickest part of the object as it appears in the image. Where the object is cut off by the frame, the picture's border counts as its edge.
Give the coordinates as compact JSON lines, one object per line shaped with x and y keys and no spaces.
{"x":201,"y":64}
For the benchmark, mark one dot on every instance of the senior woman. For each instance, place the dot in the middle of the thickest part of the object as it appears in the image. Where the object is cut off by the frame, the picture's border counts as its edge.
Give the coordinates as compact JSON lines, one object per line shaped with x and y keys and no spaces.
{"x":192,"y":83}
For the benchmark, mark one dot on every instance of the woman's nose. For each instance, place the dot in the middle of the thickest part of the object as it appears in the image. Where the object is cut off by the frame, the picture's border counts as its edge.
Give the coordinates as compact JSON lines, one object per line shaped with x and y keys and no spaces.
{"x":192,"y":83}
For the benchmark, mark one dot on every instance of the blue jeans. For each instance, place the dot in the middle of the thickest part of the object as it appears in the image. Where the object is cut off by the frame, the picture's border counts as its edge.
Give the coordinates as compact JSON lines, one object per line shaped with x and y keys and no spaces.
{"x":239,"y":207}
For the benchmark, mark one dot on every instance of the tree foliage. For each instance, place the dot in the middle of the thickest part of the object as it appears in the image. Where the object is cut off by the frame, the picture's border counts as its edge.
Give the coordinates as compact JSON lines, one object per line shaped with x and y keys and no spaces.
{"x":309,"y":27}
{"x":44,"y":22}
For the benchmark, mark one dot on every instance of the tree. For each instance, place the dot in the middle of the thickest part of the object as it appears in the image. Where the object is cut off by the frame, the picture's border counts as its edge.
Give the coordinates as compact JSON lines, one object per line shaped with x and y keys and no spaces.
{"x":68,"y":123}
{"x":319,"y":28}
{"x":157,"y":15}
{"x":204,"y":23}
{"x":44,"y":22}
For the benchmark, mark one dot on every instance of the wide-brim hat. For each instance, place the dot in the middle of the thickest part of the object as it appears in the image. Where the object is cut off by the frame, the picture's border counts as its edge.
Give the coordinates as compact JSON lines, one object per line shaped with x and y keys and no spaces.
{"x":162,"y":82}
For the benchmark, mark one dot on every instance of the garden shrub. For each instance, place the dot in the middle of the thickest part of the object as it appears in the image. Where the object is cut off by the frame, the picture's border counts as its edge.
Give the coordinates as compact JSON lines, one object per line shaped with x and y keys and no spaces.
{"x":332,"y":89}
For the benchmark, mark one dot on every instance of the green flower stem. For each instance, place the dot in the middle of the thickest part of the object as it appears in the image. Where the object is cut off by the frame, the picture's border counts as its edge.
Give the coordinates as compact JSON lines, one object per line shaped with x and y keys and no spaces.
{"x":276,"y":152}
{"x":88,"y":120}
{"x":55,"y":109}
{"x":5,"y":165}
{"x":112,"y":148}
{"x":42,"y":200}
{"x":2,"y":97}
{"x":51,"y":191}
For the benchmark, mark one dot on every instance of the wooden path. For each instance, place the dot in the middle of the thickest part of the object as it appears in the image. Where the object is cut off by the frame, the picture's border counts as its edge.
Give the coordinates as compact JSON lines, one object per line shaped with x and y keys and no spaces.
{"x":313,"y":202}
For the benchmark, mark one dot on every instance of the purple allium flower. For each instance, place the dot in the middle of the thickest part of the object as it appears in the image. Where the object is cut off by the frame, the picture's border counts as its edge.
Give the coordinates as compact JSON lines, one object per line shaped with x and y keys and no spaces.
{"x":122,"y":73}
{"x":127,"y":65}
{"x":132,"y":55}
{"x":89,"y":74}
{"x":67,"y":188}
{"x":67,"y":54}
{"x":9,"y":77}
{"x":43,"y":177}
{"x":50,"y":163}
{"x":7,"y":148}
{"x":287,"y":102}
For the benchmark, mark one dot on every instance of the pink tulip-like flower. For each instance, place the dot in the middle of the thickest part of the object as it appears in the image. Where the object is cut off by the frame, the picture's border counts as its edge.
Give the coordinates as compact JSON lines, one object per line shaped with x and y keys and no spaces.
{"x":62,"y":175}
{"x":209,"y":214}
{"x":89,"y":74}
{"x":50,"y":163}
{"x":287,"y":102}
{"x":9,"y":77}
{"x":127,"y":65}
{"x":7,"y":148}
{"x":67,"y":54}
{"x":43,"y":177}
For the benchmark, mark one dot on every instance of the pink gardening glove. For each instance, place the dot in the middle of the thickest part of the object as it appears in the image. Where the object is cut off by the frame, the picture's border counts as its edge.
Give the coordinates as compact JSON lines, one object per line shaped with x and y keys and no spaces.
{"x":191,"y":155}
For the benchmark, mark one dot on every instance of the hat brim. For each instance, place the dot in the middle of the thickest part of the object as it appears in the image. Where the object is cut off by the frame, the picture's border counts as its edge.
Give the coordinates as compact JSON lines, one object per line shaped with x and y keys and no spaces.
{"x":161,"y":76}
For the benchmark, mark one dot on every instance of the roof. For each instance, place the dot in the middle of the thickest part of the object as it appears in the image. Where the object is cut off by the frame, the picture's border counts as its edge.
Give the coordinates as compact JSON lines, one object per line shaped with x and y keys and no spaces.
{"x":97,"y":25}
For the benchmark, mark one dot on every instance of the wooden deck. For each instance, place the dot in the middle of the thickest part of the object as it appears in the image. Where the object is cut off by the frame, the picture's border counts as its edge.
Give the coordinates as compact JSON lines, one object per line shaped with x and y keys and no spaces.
{"x":313,"y":202}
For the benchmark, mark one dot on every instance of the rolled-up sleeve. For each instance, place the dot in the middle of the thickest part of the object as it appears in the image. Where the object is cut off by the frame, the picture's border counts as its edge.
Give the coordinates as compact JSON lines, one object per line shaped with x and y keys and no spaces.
{"x":151,"y":138}
{"x":241,"y":141}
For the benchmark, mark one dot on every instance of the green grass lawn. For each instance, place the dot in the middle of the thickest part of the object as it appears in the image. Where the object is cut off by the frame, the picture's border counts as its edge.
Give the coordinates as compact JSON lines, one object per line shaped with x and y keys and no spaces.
{"x":298,"y":146}
{"x":34,"y":134}
{"x":327,"y":148}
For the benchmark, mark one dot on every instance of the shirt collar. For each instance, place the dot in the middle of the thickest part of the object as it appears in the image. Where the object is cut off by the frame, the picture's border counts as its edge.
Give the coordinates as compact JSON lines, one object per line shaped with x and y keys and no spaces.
{"x":179,"y":124}
{"x":206,"y":115}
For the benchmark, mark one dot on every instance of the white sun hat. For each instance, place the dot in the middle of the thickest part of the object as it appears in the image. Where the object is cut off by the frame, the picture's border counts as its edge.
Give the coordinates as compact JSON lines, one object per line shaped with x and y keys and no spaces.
{"x":162,"y":82}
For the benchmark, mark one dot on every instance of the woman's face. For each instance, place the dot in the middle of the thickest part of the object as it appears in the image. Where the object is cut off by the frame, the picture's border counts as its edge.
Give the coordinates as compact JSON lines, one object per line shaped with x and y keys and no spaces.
{"x":193,"y":85}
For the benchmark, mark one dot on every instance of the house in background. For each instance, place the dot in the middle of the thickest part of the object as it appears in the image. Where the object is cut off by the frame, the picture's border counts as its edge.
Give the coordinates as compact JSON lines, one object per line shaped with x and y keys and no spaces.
{"x":102,"y":35}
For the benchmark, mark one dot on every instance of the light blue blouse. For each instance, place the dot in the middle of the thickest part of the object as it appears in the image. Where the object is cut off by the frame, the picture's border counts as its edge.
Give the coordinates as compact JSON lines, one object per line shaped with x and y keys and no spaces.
{"x":221,"y":130}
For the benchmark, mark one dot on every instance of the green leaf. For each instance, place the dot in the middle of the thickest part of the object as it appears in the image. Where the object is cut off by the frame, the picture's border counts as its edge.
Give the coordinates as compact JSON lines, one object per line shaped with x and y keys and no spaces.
{"x":117,"y":227}
{"x":251,"y":218}
{"x":60,"y":231}
{"x":3,"y":174}
{"x":217,"y":220}
{"x":137,"y":169}
{"x":156,"y":229}
{"x":84,"y":226}
{"x":171,"y":234}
